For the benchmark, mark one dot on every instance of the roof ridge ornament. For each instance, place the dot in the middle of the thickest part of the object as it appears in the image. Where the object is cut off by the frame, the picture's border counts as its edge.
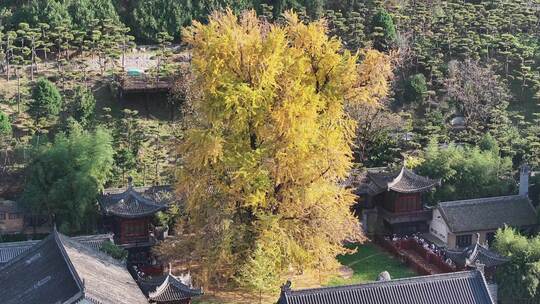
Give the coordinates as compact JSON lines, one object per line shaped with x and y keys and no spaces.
{"x":287,"y":286}
{"x":407,"y":181}
{"x":480,"y":266}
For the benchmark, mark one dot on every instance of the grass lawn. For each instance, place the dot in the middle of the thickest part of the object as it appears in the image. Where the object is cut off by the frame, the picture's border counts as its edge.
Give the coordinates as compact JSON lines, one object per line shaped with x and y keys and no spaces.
{"x":368,"y":262}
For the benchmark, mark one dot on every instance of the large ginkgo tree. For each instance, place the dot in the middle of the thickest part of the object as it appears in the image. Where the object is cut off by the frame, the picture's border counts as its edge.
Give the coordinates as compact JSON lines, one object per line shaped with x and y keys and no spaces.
{"x":269,"y":144}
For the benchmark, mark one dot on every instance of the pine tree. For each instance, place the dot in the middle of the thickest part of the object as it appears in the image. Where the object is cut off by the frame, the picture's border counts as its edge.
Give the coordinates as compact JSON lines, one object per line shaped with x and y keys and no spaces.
{"x":83,"y":105}
{"x":46,"y":100}
{"x":383,"y":30}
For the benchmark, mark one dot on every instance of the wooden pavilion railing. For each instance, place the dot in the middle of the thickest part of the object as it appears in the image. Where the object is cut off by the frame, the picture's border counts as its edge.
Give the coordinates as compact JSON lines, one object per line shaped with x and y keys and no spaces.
{"x":399,"y":249}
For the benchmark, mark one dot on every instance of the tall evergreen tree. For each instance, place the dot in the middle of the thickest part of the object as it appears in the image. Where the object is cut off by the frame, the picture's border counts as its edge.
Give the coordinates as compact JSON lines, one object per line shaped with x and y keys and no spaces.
{"x":383,"y":30}
{"x":46,"y":100}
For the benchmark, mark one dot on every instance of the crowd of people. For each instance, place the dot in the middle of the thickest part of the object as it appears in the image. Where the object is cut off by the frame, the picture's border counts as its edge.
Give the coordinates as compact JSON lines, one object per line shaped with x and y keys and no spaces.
{"x":425,"y":244}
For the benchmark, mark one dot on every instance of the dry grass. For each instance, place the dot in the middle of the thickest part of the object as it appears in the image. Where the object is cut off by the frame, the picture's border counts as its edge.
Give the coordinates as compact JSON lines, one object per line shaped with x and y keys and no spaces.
{"x":241,"y":296}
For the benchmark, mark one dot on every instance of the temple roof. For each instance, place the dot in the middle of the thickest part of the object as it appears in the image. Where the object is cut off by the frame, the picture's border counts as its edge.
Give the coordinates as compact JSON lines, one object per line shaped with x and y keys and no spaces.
{"x":168,"y":288}
{"x":404,"y":181}
{"x":359,"y":181}
{"x":61,"y":270}
{"x":10,"y":250}
{"x":459,"y":287}
{"x":135,"y":202}
{"x":489,"y":213}
{"x":476,"y":253}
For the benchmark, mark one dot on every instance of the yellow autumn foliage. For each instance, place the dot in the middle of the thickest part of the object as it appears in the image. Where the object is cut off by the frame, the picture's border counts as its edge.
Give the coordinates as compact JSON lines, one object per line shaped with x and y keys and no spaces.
{"x":269,"y":146}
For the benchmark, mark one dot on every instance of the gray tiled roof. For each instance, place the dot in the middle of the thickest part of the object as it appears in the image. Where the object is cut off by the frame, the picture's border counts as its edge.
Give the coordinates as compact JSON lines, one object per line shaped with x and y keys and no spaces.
{"x":404,"y":181}
{"x":488,"y":213}
{"x":61,"y":270}
{"x":359,"y":180}
{"x":467,"y":287}
{"x":106,"y":280}
{"x":42,"y":274}
{"x":135,"y":202}
{"x":10,"y":250}
{"x":94,"y":241}
{"x":167,"y":288}
{"x":473,"y":254}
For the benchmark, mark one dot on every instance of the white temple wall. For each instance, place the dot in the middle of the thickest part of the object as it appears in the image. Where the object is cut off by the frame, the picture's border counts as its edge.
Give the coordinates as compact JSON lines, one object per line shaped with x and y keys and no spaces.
{"x":438,"y":227}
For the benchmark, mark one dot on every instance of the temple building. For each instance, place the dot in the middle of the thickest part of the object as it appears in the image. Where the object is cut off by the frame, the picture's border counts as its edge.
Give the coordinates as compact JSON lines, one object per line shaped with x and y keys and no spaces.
{"x":460,"y":224}
{"x":398,"y":200}
{"x":477,"y":256}
{"x":129,"y":213}
{"x":62,"y":270}
{"x":169,"y":289}
{"x":450,"y":288}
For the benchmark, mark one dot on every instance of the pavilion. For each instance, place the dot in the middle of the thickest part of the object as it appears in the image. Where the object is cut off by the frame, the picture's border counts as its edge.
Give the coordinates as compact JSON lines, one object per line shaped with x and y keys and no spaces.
{"x":169,"y":289}
{"x":129,"y":213}
{"x":477,"y":256}
{"x":397,"y":197}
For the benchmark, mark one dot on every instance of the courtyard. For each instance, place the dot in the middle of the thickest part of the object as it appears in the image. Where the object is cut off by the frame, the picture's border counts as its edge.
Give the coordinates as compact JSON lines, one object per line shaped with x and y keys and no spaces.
{"x":368,"y":262}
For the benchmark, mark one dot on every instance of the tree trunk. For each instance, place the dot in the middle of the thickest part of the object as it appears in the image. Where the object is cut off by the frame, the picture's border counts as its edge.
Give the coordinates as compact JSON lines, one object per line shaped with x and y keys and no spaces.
{"x":32,"y":67}
{"x":157,"y":173}
{"x":32,"y":63}
{"x":85,"y":78}
{"x":18,"y":91}
{"x":144,"y":174}
{"x":58,"y":59}
{"x":158,"y":69}
{"x":124,"y":58}
{"x":7,"y":65}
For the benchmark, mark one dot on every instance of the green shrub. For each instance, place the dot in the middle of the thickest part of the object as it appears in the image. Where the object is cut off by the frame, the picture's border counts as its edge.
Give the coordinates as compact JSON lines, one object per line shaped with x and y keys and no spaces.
{"x":383,"y":30}
{"x":416,"y":88}
{"x":84,"y":104}
{"x":114,"y":251}
{"x":46,"y":100}
{"x":5,"y":125}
